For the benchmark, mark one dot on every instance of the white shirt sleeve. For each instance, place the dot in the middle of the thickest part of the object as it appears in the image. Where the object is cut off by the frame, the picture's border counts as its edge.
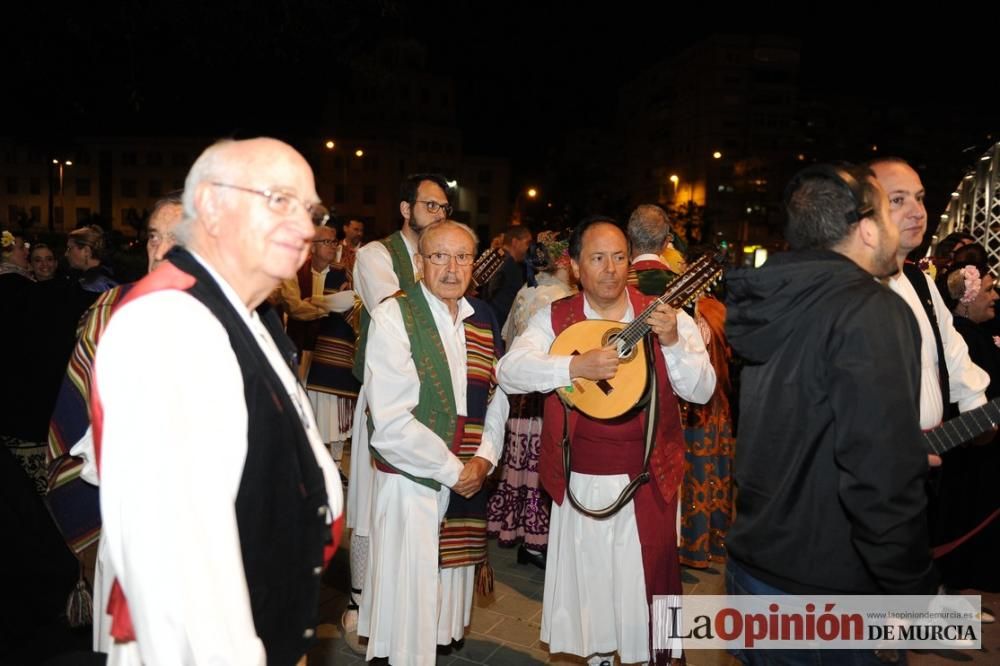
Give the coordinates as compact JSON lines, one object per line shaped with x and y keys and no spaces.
{"x":528,"y":366}
{"x":399,"y":437}
{"x":491,"y":446}
{"x":967,"y":382}
{"x":340,"y":302}
{"x":688,"y":364}
{"x":298,"y":307}
{"x":84,"y":449}
{"x":374,"y":279}
{"x":173,"y":449}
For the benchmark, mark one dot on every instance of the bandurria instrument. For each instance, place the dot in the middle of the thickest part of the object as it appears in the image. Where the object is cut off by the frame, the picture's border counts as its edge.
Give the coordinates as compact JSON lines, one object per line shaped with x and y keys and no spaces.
{"x":609,"y":398}
{"x":486,"y":266}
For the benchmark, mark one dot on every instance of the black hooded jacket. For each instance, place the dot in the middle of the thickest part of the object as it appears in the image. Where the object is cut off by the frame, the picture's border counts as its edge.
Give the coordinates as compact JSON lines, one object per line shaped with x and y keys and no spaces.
{"x":829,"y":461}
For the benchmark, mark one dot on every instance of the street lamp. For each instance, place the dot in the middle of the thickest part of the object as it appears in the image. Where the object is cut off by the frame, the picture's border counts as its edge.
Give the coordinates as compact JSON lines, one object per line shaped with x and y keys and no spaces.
{"x":518,"y":214}
{"x":62,"y":195}
{"x":330,"y":145}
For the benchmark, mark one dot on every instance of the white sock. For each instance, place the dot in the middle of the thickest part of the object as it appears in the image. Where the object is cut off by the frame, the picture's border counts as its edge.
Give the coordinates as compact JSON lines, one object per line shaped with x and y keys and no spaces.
{"x":359,"y":566}
{"x":336,"y":450}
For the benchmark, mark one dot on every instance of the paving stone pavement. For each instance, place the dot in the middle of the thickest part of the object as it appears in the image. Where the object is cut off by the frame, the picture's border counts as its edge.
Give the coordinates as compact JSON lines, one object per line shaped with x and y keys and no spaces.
{"x":505,"y":626}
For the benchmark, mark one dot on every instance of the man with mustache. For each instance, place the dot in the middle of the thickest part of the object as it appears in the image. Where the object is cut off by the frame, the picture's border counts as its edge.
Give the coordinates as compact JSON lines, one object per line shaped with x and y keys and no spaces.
{"x":381,"y":269}
{"x":590,"y":573}
{"x":438,"y":426}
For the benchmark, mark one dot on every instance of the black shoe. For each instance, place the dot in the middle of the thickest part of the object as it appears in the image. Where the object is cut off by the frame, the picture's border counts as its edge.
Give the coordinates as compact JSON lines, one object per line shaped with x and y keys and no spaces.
{"x":526,"y":557}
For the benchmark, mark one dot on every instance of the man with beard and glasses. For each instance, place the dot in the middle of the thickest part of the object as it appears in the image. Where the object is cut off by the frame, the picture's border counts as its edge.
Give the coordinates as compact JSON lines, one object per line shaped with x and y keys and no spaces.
{"x":381,"y":269}
{"x":829,"y":426}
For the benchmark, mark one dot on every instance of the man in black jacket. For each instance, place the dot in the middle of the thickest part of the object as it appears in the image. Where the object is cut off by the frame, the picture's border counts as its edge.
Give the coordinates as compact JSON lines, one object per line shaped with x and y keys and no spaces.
{"x":829,"y":465}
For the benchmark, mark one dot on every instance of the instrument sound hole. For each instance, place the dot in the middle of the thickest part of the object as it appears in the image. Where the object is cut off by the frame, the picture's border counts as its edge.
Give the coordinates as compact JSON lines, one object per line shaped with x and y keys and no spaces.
{"x":626,"y":352}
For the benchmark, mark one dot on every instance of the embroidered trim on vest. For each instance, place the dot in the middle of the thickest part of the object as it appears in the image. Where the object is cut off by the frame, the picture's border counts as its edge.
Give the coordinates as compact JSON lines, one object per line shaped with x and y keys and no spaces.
{"x":402,"y":266}
{"x":666,"y":464}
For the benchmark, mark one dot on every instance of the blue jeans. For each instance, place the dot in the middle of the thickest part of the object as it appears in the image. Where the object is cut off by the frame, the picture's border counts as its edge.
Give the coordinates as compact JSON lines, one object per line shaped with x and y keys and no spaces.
{"x":738,"y":581}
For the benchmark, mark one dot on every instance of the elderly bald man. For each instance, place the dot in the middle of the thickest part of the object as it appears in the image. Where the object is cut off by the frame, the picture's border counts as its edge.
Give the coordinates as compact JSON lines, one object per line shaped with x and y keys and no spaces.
{"x":220,"y":503}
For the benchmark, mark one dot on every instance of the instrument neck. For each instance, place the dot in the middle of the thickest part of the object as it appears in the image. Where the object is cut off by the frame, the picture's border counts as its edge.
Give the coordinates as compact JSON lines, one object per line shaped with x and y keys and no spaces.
{"x":639,"y":326}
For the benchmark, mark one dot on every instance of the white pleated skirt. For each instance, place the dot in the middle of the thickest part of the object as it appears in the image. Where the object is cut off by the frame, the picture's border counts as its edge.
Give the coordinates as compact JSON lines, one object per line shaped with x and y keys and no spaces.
{"x":409,"y":605}
{"x":359,"y":490}
{"x":595,"y":589}
{"x":329,"y":411}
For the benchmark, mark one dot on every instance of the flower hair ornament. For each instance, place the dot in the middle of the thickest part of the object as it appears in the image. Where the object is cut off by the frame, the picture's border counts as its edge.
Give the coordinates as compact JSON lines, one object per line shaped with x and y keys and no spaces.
{"x":552,"y":250}
{"x":7,"y":239}
{"x":973,"y":283}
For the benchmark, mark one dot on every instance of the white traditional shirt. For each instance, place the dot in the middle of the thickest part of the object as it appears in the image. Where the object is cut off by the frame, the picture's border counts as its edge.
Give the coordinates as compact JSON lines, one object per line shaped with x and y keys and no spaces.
{"x":404,"y":442}
{"x":374,"y":279}
{"x":650,"y":257}
{"x":967,"y":382}
{"x":317,"y":304}
{"x":173,"y":449}
{"x":301,"y":306}
{"x":527,"y":366}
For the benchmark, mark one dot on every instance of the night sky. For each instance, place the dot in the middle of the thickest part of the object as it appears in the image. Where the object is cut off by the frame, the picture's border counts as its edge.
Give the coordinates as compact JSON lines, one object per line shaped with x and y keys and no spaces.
{"x":524,"y":71}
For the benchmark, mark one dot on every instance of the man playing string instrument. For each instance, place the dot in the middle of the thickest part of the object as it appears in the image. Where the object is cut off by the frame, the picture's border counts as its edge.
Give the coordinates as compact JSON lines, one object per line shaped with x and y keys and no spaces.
{"x":594,"y":603}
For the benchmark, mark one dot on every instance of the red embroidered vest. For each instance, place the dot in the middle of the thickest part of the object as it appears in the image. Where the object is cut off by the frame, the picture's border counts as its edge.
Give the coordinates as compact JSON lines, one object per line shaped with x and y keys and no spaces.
{"x":666,"y":464}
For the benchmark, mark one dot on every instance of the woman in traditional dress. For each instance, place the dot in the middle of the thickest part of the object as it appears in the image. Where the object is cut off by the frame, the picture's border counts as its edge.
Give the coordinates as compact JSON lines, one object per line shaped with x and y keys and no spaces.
{"x":707,"y":487}
{"x":519,"y":509}
{"x":969,"y":493}
{"x":706,"y":505}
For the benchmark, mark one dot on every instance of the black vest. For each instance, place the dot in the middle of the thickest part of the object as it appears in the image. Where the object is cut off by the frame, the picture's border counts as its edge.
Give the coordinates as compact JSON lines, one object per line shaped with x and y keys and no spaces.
{"x":281,"y":506}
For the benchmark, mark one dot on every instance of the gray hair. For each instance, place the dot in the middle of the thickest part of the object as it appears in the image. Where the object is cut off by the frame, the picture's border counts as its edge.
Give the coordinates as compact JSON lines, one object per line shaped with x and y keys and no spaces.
{"x":446,"y":223}
{"x":207,"y":168}
{"x":172,"y":198}
{"x":648,"y":229}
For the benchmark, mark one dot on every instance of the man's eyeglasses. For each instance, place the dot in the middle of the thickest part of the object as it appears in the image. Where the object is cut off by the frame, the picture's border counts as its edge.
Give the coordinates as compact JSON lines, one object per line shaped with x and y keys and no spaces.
{"x":325,"y":241}
{"x":443,"y":258}
{"x":284,"y":203}
{"x":433,"y":207}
